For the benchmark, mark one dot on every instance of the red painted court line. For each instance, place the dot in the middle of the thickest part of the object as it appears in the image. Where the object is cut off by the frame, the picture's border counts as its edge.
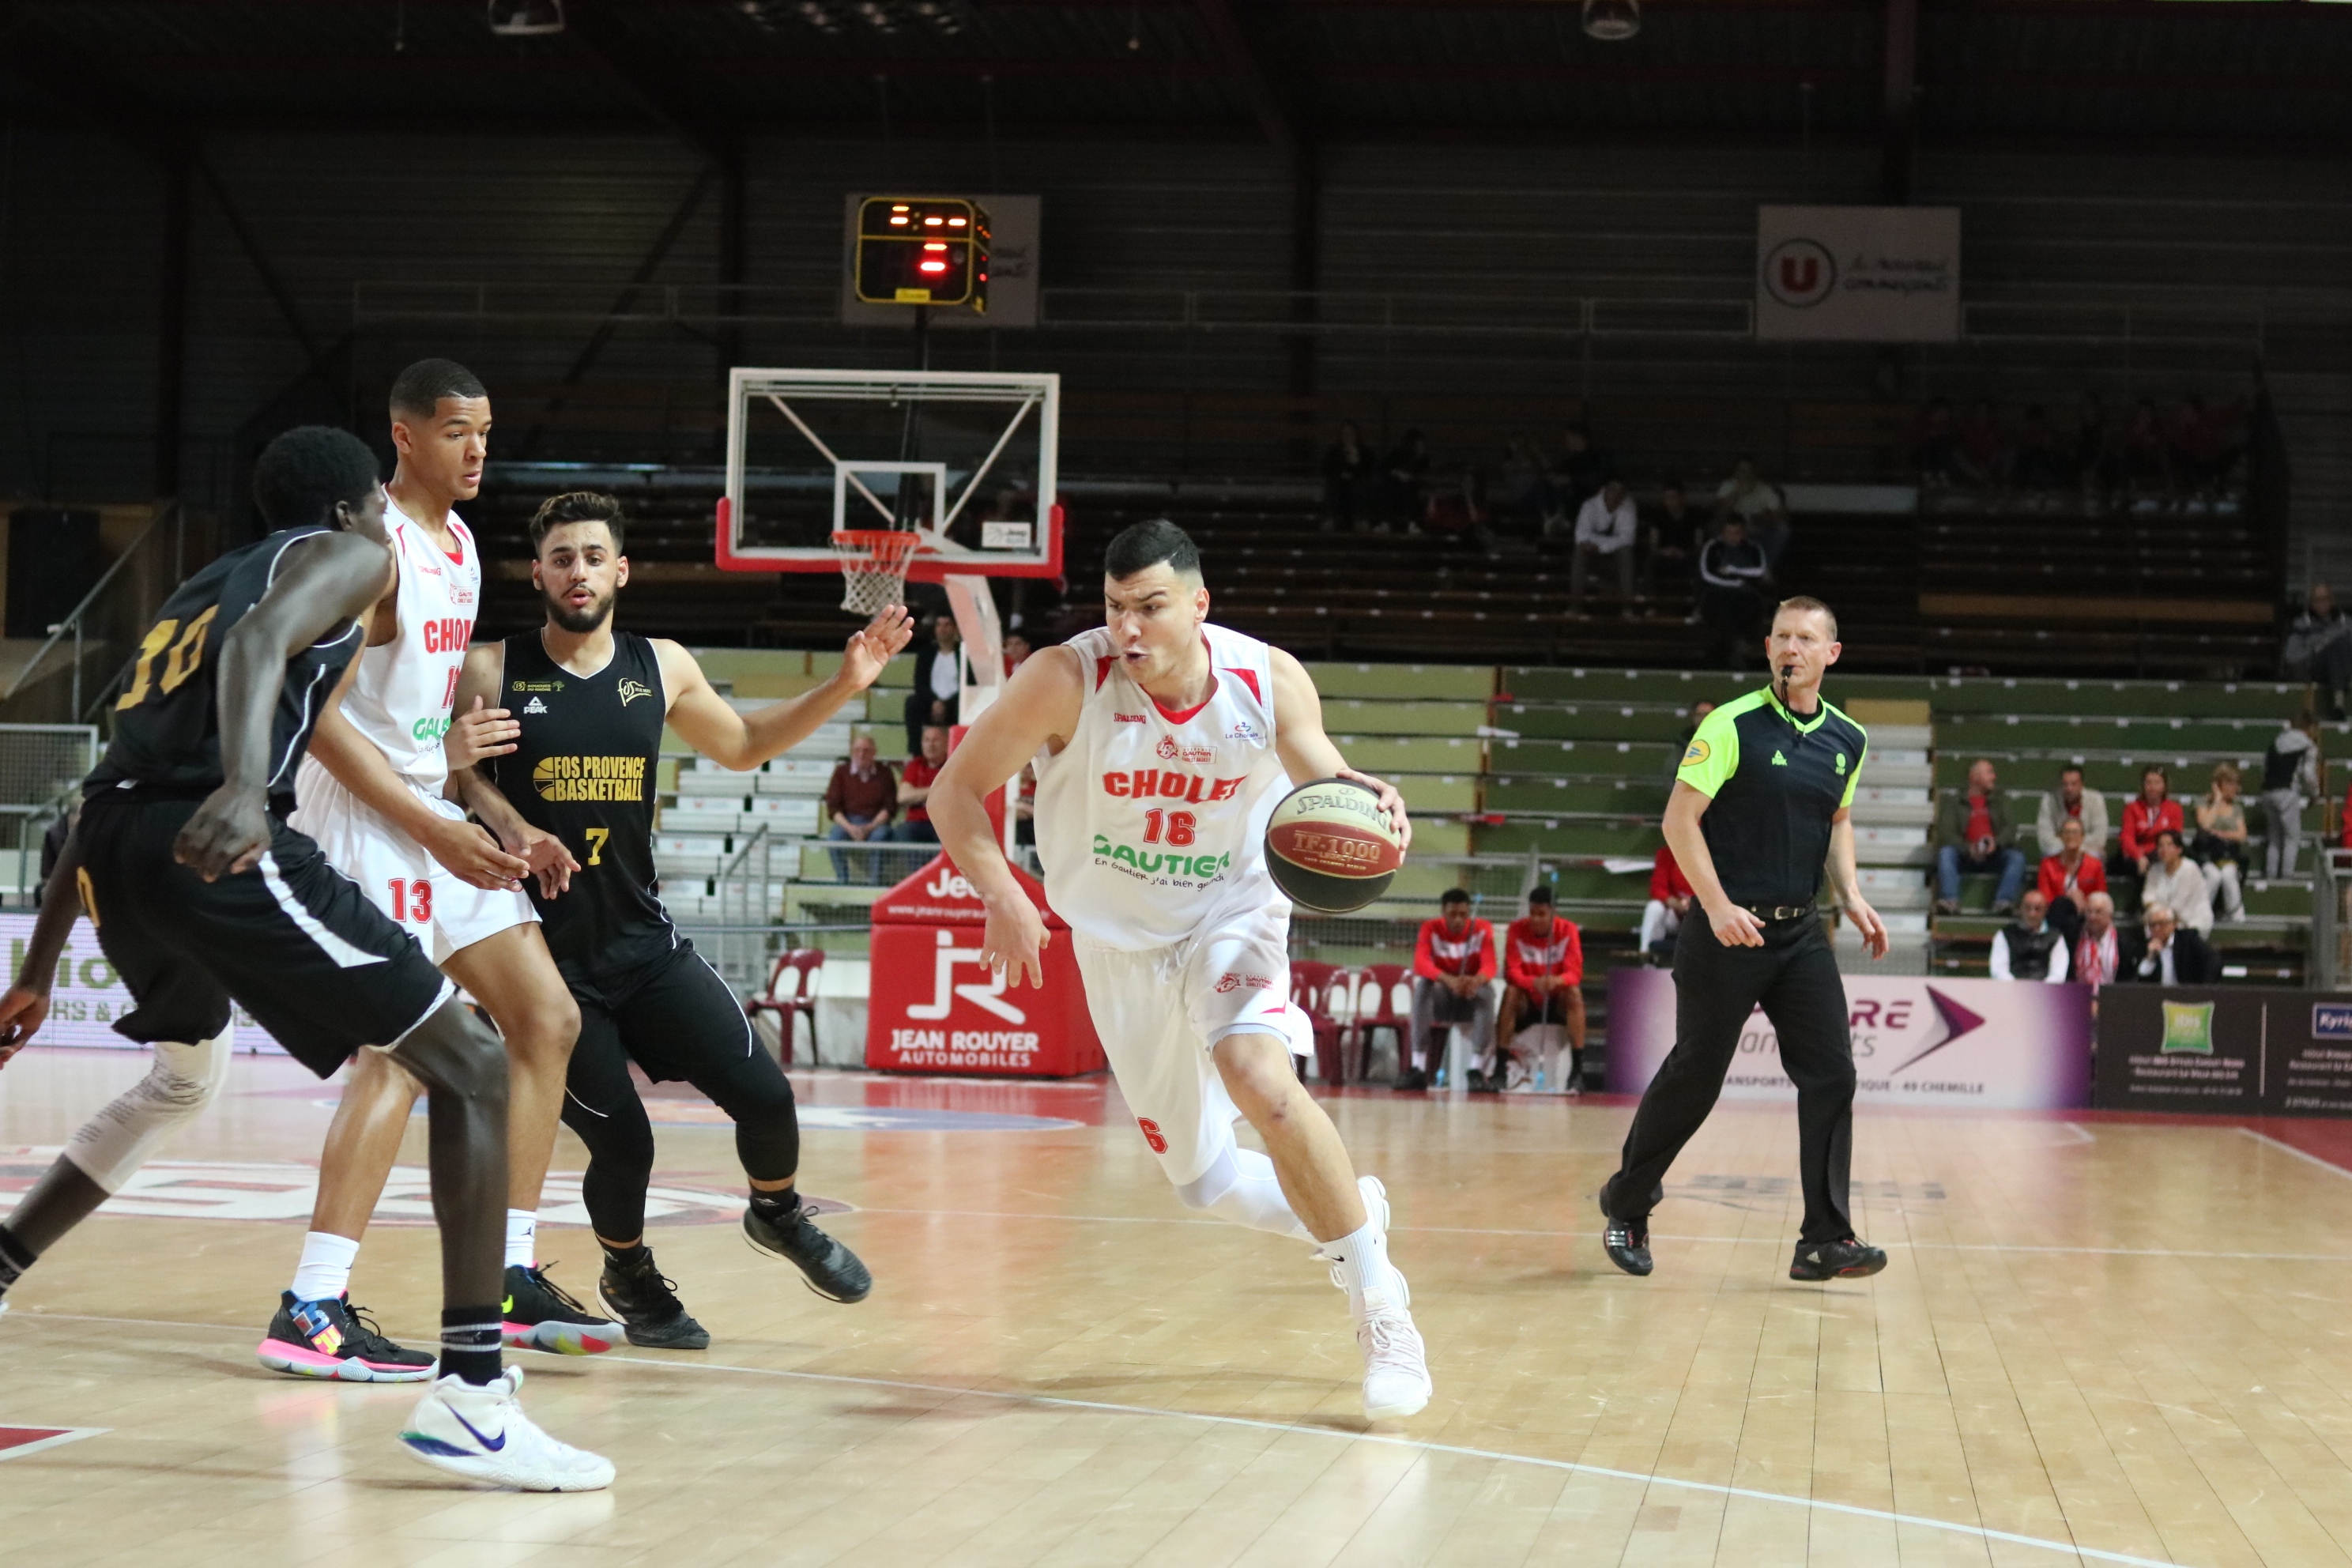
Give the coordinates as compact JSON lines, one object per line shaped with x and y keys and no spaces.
{"x":17,"y":1441}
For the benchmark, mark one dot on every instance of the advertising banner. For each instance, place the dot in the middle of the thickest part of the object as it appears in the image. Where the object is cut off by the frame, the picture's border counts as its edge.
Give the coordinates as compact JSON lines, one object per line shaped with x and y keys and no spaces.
{"x":88,"y":998}
{"x":1986,"y":1044}
{"x":2233,"y":1050}
{"x":1873,"y":275}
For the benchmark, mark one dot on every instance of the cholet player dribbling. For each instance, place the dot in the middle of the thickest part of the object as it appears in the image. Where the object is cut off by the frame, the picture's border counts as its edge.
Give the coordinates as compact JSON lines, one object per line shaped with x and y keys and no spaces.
{"x":1162,"y":744}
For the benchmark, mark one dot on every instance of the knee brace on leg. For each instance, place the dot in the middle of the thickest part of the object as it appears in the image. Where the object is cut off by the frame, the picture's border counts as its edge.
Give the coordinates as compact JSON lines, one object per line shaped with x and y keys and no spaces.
{"x":111,"y":1146}
{"x":1241,"y":1186}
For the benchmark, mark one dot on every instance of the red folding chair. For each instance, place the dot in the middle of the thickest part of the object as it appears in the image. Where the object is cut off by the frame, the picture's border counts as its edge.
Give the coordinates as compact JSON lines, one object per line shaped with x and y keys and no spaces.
{"x":1310,"y":990}
{"x":789,"y":1003}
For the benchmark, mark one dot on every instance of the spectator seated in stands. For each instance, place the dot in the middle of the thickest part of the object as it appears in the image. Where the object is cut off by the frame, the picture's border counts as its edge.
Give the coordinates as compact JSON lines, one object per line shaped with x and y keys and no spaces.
{"x":2290,"y":782}
{"x":2099,"y":951}
{"x":2176,"y":882}
{"x":939,"y":682}
{"x":2205,"y":449}
{"x":1744,"y":495}
{"x":1016,"y":651}
{"x":1351,"y":475}
{"x":1025,"y":808}
{"x":2070,"y":878}
{"x":2030,"y":947}
{"x":1732,"y":572}
{"x":1982,"y":455}
{"x":861,"y":801}
{"x":915,"y":787}
{"x":1543,"y":970}
{"x":1675,"y":533}
{"x":1451,"y":962}
{"x":2145,"y":815}
{"x":2318,"y":649}
{"x":1458,"y":511}
{"x":1404,"y":477}
{"x":2144,"y":458}
{"x":1670,"y":896}
{"x":1937,"y":456}
{"x":1973,"y":834}
{"x":2093,"y":457}
{"x":1519,"y":490}
{"x":2219,"y":846}
{"x":2036,"y":464}
{"x":1606,"y":528}
{"x":2069,"y":799}
{"x":1575,"y":474}
{"x":2169,"y":952}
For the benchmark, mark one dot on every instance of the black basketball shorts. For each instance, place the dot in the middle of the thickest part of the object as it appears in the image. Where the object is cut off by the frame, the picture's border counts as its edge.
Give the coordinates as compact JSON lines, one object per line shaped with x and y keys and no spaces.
{"x":293,"y":941}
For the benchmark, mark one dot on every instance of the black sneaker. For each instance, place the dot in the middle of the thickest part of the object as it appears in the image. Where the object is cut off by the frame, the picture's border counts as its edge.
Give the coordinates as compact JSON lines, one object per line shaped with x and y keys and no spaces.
{"x":1485,"y":1083}
{"x":1411,"y":1079}
{"x":1627,"y":1243}
{"x":335,"y":1340}
{"x":541,"y":1316}
{"x":1852,"y":1259}
{"x":648,"y":1306}
{"x":834,"y":1271}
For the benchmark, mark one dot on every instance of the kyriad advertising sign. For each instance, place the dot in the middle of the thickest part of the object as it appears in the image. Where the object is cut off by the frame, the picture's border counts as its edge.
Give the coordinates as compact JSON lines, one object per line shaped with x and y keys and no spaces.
{"x":1874,"y":275}
{"x":2003,"y":1044}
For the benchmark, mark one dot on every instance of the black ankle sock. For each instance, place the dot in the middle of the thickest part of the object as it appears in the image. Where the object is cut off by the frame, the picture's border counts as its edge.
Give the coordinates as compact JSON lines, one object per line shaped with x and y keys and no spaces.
{"x":15,"y":1258}
{"x":776,"y":1206}
{"x":631,"y":1257}
{"x":470,"y":1342}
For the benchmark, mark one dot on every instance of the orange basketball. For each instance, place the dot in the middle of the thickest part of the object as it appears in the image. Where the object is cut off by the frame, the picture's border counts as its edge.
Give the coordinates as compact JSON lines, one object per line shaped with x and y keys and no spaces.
{"x":1329,"y":848}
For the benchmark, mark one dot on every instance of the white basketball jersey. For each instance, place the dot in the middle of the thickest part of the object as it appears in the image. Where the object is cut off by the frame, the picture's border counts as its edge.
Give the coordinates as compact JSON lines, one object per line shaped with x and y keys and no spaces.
{"x":1150,"y":823}
{"x":402,"y":697}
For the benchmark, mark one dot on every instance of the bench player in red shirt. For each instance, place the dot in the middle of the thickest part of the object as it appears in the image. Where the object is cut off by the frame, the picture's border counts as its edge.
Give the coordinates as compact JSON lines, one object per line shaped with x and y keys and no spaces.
{"x":1543,"y":967}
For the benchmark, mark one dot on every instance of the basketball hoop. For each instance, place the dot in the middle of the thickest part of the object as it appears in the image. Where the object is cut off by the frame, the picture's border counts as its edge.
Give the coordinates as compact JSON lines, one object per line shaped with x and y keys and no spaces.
{"x":874,"y":563}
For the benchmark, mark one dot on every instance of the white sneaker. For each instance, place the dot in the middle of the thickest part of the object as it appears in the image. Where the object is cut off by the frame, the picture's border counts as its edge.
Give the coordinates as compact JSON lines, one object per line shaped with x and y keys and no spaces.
{"x":478,"y":1431}
{"x":1396,"y":1368}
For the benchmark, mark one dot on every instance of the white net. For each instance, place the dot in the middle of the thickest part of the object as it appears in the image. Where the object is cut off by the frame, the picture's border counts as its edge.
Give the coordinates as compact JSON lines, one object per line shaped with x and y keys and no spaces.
{"x":873,"y":568}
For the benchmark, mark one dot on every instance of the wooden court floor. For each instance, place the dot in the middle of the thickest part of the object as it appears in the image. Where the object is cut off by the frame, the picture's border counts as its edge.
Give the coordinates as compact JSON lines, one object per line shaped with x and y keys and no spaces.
{"x":2099,"y":1341}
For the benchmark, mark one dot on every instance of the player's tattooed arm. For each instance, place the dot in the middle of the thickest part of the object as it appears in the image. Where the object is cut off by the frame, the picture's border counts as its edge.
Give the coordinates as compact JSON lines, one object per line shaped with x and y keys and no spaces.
{"x":1039,"y":708}
{"x":1307,"y":752}
{"x":26,"y":1004}
{"x":743,"y":740}
{"x":325,"y":582}
{"x":481,"y":733}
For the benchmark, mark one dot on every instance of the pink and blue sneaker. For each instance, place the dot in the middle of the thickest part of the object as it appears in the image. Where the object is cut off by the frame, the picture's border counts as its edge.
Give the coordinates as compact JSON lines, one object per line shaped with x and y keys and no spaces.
{"x":333,"y":1339}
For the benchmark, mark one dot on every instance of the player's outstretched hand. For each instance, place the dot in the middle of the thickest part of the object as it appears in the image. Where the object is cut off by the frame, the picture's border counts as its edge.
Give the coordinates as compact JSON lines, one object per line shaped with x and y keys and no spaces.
{"x":1873,"y":930}
{"x":549,"y":859}
{"x":470,"y":853}
{"x":227,"y":834}
{"x":883,"y":639}
{"x":1391,"y":805}
{"x":1735,"y":927}
{"x":482,"y":733}
{"x":22,"y":1013}
{"x":1014,"y":941}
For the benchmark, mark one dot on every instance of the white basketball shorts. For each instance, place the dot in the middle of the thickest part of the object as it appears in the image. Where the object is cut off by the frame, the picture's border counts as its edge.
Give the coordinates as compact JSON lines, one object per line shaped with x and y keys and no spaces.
{"x":424,"y":898}
{"x":1158,"y":1011}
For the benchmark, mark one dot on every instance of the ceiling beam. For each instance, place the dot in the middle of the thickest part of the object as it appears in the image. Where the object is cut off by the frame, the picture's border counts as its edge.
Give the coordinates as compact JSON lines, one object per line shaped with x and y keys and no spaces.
{"x":1247,"y":65}
{"x":605,"y":39}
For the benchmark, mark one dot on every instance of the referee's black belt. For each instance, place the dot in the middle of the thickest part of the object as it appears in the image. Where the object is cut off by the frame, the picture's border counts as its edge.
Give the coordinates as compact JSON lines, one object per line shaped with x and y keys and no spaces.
{"x":1779,"y":912}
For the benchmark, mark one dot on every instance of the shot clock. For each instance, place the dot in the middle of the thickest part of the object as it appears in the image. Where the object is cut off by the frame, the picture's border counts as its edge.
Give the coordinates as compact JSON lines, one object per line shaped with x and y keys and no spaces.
{"x":922,"y":250}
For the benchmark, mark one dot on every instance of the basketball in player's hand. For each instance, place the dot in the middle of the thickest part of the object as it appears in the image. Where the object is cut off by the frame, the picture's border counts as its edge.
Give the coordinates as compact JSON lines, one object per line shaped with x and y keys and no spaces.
{"x":1329,"y":848}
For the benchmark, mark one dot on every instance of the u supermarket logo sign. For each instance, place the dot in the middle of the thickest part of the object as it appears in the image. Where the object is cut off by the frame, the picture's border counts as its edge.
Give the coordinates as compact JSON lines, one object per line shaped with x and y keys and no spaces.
{"x":1800,"y":273}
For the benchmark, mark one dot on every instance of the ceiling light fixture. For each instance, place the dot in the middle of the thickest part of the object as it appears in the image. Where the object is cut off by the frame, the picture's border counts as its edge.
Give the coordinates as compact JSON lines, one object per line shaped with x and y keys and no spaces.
{"x":1611,"y":21}
{"x":525,"y":18}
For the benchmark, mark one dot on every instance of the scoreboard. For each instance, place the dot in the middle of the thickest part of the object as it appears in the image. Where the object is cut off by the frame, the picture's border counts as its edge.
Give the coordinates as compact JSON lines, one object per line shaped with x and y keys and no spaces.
{"x":922,"y":250}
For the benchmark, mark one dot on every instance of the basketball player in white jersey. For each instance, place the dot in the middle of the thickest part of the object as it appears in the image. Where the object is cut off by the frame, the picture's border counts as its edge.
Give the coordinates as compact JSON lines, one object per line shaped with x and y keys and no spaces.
{"x":371,"y":793}
{"x":1161,"y":745}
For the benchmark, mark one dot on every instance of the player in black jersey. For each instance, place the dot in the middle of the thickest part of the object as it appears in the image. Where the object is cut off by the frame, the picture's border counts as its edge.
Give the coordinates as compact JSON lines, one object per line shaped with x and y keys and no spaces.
{"x":565,"y":724}
{"x":201,"y":894}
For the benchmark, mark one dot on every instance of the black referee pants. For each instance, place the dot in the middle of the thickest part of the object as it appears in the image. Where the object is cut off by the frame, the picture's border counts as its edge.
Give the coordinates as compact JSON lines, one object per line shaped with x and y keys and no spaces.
{"x":1794,"y":975}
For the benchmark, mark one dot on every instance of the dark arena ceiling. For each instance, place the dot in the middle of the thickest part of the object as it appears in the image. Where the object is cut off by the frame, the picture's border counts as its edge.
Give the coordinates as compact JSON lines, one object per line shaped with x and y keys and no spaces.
{"x":2210,"y":76}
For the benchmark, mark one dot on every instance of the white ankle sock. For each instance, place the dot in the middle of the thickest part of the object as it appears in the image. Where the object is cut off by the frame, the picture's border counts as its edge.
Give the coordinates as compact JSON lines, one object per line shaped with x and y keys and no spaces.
{"x":325,"y":1272}
{"x":1361,"y":1261}
{"x":522,"y":1238}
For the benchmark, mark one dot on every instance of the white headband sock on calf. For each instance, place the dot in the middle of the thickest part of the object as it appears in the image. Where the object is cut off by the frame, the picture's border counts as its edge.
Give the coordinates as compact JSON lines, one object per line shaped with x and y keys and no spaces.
{"x":522,"y":1238}
{"x":1240,"y":1186}
{"x":111,"y":1145}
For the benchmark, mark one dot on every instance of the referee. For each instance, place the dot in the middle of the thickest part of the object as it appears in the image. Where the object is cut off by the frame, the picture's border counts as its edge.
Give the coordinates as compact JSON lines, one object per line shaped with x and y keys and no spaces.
{"x":1761,"y":801}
